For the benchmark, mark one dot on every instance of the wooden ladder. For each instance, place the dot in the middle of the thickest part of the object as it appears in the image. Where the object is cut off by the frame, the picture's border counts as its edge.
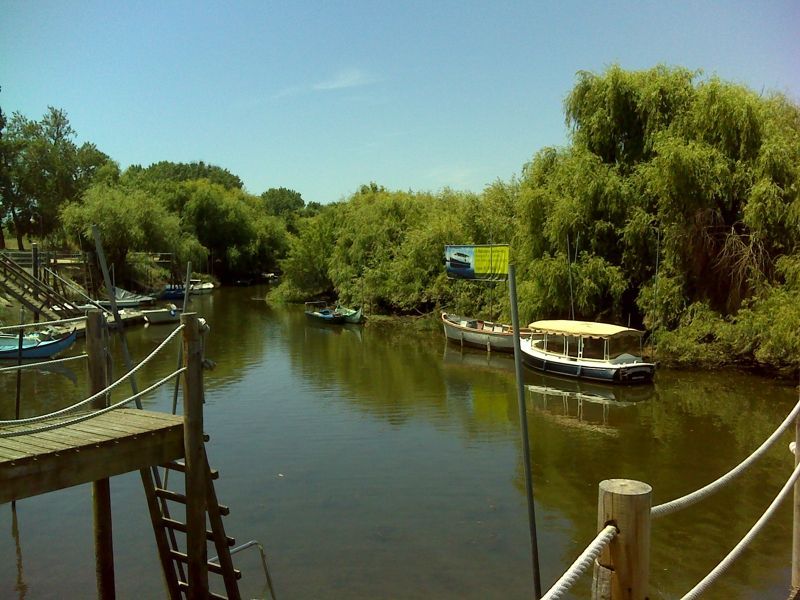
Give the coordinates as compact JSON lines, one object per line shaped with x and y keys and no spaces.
{"x":173,"y":560}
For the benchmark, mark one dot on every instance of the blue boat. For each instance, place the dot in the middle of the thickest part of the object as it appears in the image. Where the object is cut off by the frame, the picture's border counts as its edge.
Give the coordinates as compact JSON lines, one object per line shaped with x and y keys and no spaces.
{"x":319,"y":311}
{"x":35,"y":347}
{"x":173,"y":291}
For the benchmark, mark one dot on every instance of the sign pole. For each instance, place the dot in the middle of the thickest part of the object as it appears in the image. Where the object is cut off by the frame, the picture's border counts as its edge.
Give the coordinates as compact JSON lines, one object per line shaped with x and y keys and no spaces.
{"x":523,"y":424}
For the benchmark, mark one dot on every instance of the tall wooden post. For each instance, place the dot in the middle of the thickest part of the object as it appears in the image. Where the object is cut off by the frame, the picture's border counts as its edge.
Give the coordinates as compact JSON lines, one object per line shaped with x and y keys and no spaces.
{"x":196,"y":549}
{"x":623,"y":569}
{"x":96,"y":347}
{"x":796,"y":514}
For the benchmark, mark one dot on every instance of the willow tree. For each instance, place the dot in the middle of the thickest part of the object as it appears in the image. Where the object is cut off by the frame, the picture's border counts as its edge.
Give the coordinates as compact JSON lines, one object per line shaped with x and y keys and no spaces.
{"x":666,"y":169}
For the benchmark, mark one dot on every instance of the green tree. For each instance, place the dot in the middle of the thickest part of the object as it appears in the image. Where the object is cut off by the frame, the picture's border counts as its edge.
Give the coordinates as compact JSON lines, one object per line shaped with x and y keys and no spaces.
{"x":43,"y":169}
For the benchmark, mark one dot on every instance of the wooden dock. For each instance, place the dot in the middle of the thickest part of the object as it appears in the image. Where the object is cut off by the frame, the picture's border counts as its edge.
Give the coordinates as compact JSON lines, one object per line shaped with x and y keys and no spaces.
{"x":110,"y":444}
{"x":60,"y":451}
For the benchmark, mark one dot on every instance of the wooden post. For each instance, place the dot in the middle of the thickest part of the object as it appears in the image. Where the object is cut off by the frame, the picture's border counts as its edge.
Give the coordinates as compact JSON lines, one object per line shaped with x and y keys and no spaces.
{"x":796,"y":515}
{"x":96,"y":347}
{"x":196,"y":549}
{"x":623,"y":568}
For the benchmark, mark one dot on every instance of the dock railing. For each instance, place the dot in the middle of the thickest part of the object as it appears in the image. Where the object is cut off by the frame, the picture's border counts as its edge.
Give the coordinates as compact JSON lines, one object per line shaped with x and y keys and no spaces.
{"x":620,"y":552}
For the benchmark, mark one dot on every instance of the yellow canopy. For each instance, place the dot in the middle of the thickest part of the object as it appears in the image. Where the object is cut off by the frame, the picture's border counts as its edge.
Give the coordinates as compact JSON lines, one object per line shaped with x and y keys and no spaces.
{"x":583,"y":328}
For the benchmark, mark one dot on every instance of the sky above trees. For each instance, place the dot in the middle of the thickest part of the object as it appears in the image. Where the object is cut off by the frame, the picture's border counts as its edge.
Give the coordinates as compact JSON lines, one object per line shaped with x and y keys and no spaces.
{"x":323,"y":97}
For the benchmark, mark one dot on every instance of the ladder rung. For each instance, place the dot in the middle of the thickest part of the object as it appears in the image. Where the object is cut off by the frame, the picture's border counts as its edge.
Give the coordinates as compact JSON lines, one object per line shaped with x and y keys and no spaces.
{"x":178,"y":526}
{"x":213,"y":567}
{"x":181,"y":466}
{"x":176,"y":497}
{"x":185,"y":587}
{"x":170,"y":495}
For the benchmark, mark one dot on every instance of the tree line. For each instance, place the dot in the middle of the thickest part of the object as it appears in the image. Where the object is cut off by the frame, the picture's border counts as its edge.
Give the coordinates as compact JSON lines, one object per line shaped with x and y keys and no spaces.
{"x":675,"y":206}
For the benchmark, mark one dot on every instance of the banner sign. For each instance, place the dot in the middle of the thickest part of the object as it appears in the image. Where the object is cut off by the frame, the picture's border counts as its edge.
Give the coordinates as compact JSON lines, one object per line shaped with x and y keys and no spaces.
{"x":477,"y":262}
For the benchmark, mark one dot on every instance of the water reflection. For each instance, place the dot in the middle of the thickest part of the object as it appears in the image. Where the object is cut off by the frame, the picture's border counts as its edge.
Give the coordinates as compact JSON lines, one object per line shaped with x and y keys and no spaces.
{"x":20,"y":586}
{"x":400,"y":455}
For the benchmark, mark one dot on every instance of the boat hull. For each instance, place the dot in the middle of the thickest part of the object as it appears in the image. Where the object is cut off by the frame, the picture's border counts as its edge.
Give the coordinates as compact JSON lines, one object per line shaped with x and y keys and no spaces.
{"x":40,"y":349}
{"x":162,"y":315}
{"x":625,"y":374}
{"x":458,"y":331}
{"x":334,"y":319}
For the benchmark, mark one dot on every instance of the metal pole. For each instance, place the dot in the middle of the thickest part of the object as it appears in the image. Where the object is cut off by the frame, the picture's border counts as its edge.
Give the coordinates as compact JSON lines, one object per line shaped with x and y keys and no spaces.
{"x":19,"y":362}
{"x":523,"y":424}
{"x":180,"y":350}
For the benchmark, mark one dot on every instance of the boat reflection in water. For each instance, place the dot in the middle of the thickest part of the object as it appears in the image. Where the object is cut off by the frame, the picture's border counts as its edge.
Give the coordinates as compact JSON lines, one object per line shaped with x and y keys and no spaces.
{"x":578,"y":403}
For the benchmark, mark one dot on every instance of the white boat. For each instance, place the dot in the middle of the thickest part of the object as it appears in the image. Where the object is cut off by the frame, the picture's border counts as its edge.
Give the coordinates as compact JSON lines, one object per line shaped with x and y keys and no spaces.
{"x":126,"y":299}
{"x":588,"y":350}
{"x":196,"y":286}
{"x":168,"y":314}
{"x":480,"y":334}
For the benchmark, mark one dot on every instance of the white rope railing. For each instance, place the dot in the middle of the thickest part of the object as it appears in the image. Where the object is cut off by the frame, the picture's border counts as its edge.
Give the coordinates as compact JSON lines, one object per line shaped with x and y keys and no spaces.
{"x":42,"y":324}
{"x":91,"y":415}
{"x":581,"y":564}
{"x":99,"y":394}
{"x":45,"y":363}
{"x":684,"y":501}
{"x":726,"y":562}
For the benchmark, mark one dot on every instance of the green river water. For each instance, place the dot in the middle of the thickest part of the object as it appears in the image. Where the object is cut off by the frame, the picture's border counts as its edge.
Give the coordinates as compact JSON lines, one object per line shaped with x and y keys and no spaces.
{"x":379,"y":462}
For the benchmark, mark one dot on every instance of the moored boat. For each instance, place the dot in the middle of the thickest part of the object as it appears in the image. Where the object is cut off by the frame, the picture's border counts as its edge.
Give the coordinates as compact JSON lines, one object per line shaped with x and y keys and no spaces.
{"x":173,"y":291}
{"x":125,"y":299}
{"x":480,"y":334}
{"x":351,"y":315}
{"x":588,"y":350}
{"x":319,"y":311}
{"x":168,"y":314}
{"x":196,"y":287}
{"x":34,"y":346}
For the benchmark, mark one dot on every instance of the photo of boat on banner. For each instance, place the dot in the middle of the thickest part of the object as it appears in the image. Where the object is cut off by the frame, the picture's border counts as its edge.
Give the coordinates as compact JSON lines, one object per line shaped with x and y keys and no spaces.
{"x":476,"y":262}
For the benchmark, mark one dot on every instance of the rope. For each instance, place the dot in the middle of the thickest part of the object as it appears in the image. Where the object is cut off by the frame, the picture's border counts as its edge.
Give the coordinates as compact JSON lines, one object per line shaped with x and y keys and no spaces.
{"x":91,"y":415}
{"x":715,"y":574}
{"x":583,"y":562}
{"x":680,"y":503}
{"x":100,"y":393}
{"x":40,"y":364}
{"x":41,"y":324}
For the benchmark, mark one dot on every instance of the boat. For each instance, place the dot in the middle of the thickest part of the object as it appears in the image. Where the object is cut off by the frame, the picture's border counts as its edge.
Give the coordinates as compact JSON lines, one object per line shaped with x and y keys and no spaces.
{"x":587,"y":350}
{"x":196,"y":286}
{"x":126,"y":299}
{"x":168,"y":314}
{"x":34,"y":346}
{"x":480,"y":334}
{"x":351,"y":315}
{"x":173,"y":291}
{"x":319,"y":311}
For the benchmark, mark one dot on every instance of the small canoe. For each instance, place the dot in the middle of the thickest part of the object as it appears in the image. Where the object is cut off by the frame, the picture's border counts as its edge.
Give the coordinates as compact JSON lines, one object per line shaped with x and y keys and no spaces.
{"x":35,"y":347}
{"x":480,"y":334}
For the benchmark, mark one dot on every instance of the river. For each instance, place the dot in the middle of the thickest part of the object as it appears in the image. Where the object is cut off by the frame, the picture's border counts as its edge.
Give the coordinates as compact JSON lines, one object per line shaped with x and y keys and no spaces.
{"x":381,"y":462}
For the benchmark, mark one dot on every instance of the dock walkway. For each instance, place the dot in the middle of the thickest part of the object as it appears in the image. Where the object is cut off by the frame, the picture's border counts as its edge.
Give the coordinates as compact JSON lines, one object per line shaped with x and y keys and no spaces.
{"x":110,"y":444}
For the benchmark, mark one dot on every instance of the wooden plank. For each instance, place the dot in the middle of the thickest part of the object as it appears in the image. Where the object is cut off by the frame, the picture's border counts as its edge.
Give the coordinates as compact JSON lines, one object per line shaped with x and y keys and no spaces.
{"x":23,"y":445}
{"x":52,"y":472}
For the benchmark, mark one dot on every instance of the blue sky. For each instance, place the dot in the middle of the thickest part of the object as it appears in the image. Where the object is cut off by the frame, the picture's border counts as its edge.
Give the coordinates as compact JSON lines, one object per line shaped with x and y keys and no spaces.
{"x":321,"y":97}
